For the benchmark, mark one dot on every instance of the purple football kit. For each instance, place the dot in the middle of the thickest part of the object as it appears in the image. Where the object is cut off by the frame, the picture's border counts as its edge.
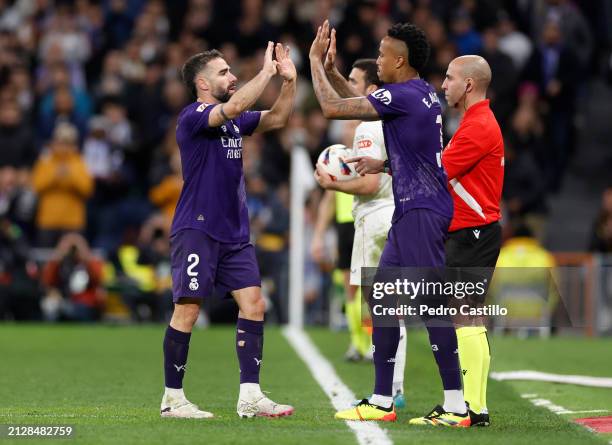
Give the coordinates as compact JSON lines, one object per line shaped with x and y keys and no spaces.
{"x":209,"y":239}
{"x":412,"y":127}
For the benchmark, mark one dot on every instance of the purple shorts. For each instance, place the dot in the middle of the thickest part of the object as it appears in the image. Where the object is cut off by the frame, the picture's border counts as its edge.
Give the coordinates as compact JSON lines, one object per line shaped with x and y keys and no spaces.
{"x":416,"y":240}
{"x":200,"y":263}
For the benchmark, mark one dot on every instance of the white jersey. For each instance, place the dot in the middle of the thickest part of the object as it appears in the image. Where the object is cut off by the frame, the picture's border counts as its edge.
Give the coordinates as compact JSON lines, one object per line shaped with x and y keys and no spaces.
{"x":369,"y":141}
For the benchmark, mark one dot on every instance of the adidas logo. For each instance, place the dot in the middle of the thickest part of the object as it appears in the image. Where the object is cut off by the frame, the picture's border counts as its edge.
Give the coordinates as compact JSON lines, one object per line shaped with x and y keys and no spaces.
{"x":200,"y":217}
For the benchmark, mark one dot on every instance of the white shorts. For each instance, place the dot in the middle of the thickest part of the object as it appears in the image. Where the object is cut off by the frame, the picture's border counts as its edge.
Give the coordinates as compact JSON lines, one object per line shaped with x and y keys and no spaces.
{"x":370,"y":237}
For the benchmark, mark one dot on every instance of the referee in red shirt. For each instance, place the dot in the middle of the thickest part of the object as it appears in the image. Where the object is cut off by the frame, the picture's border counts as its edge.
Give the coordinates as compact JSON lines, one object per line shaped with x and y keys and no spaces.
{"x":474,"y":162}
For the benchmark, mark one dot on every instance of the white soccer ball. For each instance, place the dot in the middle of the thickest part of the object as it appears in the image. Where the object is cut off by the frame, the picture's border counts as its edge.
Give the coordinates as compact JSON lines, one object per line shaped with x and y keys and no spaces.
{"x":332,"y":162}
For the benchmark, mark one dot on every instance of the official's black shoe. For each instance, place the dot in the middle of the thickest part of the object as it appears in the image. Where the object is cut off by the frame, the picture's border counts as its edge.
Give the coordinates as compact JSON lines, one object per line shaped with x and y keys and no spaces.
{"x":478,"y":419}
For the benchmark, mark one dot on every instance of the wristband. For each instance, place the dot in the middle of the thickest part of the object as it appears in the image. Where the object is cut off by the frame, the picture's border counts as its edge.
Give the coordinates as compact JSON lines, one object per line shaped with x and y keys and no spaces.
{"x":387,"y":167}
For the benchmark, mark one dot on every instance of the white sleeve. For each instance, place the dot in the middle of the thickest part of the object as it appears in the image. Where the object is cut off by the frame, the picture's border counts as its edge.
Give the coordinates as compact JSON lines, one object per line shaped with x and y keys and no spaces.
{"x":366,"y":143}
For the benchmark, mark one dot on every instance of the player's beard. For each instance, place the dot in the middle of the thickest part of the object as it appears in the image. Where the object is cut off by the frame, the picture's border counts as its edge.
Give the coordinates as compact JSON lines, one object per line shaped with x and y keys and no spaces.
{"x":224,"y":95}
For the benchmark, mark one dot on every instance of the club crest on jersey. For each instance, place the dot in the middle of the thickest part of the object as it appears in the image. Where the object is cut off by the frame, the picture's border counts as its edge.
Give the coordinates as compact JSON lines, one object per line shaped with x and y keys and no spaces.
{"x":382,"y":95}
{"x":193,"y":284}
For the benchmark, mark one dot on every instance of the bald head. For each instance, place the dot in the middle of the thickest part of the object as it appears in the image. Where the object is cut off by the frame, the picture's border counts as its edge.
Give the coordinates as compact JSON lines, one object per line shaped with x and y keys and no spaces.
{"x":466,"y":82}
{"x":474,"y":67}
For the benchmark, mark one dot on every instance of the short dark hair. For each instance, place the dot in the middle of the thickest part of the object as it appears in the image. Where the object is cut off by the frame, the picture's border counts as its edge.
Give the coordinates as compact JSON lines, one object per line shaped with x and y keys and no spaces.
{"x":416,"y":41}
{"x":368,"y":66}
{"x":194,"y":65}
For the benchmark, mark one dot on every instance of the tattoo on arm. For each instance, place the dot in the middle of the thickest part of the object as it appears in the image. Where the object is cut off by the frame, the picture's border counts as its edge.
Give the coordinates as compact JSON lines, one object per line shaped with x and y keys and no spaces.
{"x":341,"y":85}
{"x":223,"y":113}
{"x":352,"y":108}
{"x":335,"y":107}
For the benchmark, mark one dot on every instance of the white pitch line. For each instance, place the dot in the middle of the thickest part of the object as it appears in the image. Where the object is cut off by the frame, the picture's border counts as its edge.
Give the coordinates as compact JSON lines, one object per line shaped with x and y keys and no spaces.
{"x":583,"y":380}
{"x":557,"y":409}
{"x":368,"y":433}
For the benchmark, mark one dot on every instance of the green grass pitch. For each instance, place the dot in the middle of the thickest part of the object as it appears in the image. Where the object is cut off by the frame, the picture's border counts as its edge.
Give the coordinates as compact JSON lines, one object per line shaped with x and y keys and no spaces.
{"x":107,"y":382}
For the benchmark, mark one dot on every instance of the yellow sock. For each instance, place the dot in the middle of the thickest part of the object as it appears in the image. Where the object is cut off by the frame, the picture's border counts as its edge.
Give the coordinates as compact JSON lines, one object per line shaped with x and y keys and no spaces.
{"x":353,"y":320}
{"x":365,"y":335}
{"x":471,"y":358}
{"x":486,"y":362}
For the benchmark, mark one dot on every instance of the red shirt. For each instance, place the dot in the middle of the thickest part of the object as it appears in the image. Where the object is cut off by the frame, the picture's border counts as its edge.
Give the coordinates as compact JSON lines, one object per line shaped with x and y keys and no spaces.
{"x":474,"y":163}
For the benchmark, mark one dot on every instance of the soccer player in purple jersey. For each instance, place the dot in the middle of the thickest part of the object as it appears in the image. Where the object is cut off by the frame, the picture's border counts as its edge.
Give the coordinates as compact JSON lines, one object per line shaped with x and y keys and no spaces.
{"x":210,"y":232}
{"x":412,"y":128}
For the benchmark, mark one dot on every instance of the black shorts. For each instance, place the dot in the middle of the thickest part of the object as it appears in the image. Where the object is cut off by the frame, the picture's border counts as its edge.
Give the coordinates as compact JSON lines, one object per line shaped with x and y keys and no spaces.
{"x":474,"y":248}
{"x":346,"y":235}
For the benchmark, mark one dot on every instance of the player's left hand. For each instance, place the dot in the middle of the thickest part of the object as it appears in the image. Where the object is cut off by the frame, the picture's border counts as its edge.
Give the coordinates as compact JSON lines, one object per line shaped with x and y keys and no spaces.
{"x":320,"y":43}
{"x":330,"y":59}
{"x":285,"y":66}
{"x":324,"y":179}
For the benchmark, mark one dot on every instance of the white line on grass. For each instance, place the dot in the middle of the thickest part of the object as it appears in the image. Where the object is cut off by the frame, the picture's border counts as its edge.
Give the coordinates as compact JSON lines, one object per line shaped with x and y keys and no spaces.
{"x":583,"y":380}
{"x":368,"y":433}
{"x":557,"y":409}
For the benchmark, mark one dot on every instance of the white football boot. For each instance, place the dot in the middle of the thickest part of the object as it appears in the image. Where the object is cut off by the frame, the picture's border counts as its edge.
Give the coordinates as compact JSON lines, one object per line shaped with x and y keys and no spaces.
{"x":261,"y":406}
{"x":182,"y":408}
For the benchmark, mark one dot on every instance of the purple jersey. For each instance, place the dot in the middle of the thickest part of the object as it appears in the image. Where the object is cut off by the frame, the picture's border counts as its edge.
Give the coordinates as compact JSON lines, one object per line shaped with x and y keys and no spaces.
{"x":213,"y":198}
{"x":412,"y":126}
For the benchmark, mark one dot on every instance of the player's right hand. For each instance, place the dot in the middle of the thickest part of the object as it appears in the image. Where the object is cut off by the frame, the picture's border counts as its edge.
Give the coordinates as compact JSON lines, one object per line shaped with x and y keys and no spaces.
{"x":330,"y":59}
{"x":269,"y":66}
{"x":320,"y":43}
{"x":317,"y":249}
{"x":366,"y":165}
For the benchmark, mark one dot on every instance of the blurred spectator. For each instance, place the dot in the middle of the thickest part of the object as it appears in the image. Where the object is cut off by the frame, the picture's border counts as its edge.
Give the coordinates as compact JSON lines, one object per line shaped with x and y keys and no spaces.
{"x":525,"y":184}
{"x":524,"y":283}
{"x":60,"y":106}
{"x":271,"y":230}
{"x":555,"y":69}
{"x":16,"y":140}
{"x":502,"y":90}
{"x":19,"y":289}
{"x":573,"y":27}
{"x":63,"y":184}
{"x":106,"y":163}
{"x":601,"y":234}
{"x":73,"y":277}
{"x":513,"y":42}
{"x":166,"y":194}
{"x":465,"y":37}
{"x":17,"y":201}
{"x":144,"y":272}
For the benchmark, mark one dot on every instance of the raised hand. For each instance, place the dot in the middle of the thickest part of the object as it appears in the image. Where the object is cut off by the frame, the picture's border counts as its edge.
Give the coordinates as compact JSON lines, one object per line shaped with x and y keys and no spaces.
{"x":320,"y":42}
{"x":285,"y":66}
{"x":330,"y":59}
{"x":270,"y":65}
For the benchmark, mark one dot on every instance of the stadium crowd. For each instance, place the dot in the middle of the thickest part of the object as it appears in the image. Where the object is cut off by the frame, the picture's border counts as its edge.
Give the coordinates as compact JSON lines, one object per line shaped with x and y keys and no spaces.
{"x":90,"y":91}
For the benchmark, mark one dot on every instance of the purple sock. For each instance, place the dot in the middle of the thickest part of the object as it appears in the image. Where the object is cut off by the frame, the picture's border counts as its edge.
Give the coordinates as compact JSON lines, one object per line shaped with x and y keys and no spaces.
{"x":176,"y":347}
{"x":249,"y":348}
{"x":385,"y":341}
{"x":443,"y":340}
